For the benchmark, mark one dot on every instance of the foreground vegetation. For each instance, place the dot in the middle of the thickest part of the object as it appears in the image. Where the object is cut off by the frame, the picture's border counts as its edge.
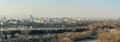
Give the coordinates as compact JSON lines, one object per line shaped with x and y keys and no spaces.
{"x":109,"y":36}
{"x":68,"y":37}
{"x":106,"y":31}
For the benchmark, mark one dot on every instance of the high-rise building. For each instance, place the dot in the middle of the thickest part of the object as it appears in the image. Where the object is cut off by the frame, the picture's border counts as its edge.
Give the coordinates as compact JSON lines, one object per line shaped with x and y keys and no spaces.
{"x":31,"y":18}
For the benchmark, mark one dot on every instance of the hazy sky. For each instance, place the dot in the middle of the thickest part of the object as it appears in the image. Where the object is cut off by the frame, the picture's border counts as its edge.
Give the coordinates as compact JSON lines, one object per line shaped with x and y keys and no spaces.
{"x":60,"y":8}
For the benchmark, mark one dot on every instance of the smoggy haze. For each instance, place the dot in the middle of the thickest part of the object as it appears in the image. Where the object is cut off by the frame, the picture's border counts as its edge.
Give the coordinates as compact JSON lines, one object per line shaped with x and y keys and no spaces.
{"x":60,"y":8}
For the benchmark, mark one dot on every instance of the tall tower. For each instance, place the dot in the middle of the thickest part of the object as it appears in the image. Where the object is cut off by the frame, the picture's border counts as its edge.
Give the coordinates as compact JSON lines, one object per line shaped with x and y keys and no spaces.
{"x":31,"y":18}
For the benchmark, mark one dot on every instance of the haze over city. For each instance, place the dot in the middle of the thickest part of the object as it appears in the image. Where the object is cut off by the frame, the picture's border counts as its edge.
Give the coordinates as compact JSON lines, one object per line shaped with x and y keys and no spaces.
{"x":60,"y":8}
{"x":59,"y":20}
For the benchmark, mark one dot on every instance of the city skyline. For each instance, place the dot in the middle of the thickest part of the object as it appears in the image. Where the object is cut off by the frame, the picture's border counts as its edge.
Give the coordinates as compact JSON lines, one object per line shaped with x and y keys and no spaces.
{"x":60,"y":8}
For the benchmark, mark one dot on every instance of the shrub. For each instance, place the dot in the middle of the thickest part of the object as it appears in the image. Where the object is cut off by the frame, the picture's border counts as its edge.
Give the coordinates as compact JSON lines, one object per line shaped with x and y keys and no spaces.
{"x":110,"y":36}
